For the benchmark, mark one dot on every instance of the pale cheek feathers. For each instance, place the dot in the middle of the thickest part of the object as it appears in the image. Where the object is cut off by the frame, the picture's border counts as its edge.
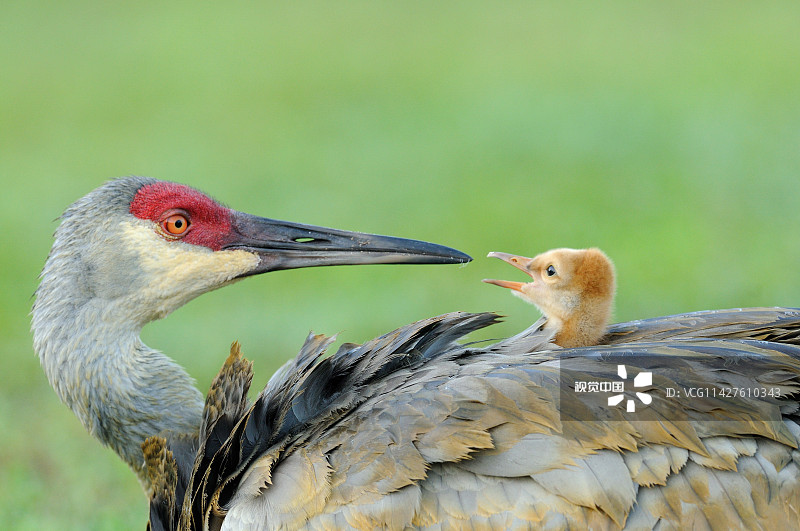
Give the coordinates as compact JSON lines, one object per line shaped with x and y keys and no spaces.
{"x":181,"y":271}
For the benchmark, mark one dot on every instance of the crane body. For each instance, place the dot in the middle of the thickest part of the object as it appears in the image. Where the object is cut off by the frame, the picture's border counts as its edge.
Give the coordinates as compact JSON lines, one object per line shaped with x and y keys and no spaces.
{"x":413,"y":430}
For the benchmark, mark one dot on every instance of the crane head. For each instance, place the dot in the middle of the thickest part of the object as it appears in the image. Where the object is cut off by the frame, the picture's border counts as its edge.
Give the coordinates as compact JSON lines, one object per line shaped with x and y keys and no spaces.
{"x":156,"y":245}
{"x":562,"y":279}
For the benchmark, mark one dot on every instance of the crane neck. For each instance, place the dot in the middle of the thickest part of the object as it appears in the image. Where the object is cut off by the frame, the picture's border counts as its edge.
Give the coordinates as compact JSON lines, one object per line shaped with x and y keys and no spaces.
{"x":121,"y":390}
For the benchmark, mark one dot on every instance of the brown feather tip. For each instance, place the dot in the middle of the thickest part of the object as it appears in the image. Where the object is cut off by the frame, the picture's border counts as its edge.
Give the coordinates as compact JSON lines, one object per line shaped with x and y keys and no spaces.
{"x":160,"y":465}
{"x":235,"y":365}
{"x":228,"y":392}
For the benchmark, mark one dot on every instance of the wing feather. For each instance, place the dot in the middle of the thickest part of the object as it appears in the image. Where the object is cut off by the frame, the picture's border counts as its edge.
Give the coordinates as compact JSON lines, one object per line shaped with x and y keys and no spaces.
{"x":414,"y":430}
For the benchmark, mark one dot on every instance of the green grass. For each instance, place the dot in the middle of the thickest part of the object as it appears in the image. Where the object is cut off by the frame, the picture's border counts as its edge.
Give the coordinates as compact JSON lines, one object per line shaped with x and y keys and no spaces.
{"x":667,"y":134}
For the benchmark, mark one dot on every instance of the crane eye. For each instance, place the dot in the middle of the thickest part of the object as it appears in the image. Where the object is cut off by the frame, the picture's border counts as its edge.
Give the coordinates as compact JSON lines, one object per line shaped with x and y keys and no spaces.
{"x":550,"y":271}
{"x":175,"y":224}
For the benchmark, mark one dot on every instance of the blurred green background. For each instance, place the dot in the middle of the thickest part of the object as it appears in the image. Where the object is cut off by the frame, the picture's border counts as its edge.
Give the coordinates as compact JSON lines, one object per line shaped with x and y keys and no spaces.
{"x":666,"y":133}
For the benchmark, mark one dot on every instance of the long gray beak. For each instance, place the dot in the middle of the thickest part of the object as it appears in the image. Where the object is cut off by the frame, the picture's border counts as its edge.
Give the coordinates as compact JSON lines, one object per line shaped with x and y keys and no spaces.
{"x":287,"y":245}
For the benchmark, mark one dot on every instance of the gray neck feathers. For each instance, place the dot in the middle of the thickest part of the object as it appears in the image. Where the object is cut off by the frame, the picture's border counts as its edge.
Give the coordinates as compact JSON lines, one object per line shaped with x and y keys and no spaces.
{"x":89,"y":347}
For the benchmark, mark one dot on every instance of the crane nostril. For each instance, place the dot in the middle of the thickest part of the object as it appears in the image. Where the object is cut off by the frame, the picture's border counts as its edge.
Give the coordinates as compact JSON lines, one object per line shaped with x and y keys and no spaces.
{"x":304,"y":240}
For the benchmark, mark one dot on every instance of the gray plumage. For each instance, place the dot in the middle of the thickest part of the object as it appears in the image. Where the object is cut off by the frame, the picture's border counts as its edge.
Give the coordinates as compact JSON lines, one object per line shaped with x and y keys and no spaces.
{"x":411,"y":436}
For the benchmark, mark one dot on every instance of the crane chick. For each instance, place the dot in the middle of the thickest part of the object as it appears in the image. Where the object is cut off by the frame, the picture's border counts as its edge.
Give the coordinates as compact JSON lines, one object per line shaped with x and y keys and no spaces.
{"x":573,"y":288}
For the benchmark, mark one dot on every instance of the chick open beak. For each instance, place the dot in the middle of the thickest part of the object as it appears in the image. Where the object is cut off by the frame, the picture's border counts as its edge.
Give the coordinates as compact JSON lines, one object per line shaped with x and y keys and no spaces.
{"x":520,"y":262}
{"x":516,"y":286}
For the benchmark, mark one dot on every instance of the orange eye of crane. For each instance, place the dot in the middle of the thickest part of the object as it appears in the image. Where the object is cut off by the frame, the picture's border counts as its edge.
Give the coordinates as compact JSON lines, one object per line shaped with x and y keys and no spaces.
{"x":175,"y":225}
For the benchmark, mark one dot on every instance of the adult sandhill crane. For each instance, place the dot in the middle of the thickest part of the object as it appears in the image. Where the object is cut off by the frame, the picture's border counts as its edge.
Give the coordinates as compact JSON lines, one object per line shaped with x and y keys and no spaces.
{"x":410,"y":429}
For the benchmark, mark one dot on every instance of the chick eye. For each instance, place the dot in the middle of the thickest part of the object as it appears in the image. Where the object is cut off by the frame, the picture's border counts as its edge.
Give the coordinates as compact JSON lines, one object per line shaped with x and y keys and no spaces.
{"x":550,"y":271}
{"x":175,"y":225}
